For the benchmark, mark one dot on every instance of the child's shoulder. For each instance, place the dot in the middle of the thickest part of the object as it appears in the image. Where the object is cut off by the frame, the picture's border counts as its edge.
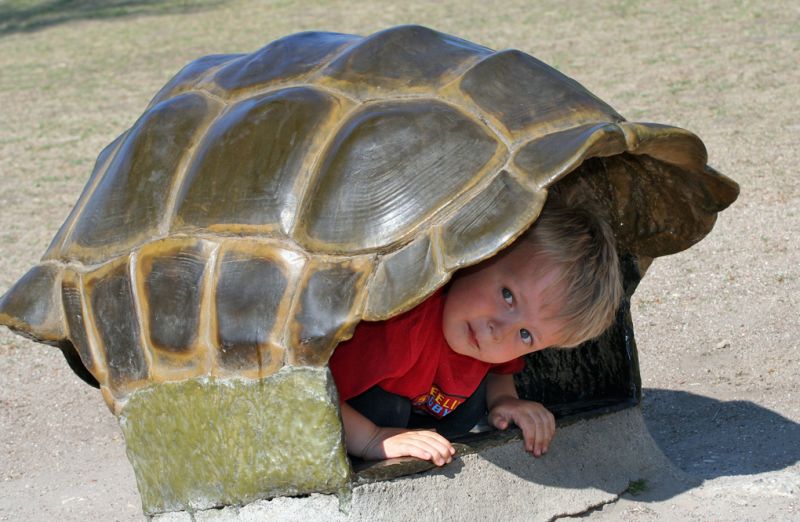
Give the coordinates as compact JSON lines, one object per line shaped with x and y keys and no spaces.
{"x":397,"y":343}
{"x":426,"y":311}
{"x":406,"y":334}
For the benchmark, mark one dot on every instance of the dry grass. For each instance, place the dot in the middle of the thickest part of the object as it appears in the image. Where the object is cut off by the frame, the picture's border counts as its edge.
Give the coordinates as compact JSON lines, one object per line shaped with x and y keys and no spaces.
{"x":31,"y":15}
{"x":726,"y":70}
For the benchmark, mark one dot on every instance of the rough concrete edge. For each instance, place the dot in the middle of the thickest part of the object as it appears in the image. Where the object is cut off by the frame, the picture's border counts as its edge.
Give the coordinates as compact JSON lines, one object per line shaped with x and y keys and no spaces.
{"x":619,"y":433}
{"x":202,"y":492}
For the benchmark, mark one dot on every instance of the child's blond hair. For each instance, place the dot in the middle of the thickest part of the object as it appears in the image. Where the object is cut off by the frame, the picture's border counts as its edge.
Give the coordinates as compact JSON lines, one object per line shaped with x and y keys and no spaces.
{"x":579,"y":243}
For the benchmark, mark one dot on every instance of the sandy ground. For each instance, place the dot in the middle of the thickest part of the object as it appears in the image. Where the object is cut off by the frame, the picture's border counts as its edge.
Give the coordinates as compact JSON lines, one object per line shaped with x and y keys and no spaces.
{"x":717,"y":326}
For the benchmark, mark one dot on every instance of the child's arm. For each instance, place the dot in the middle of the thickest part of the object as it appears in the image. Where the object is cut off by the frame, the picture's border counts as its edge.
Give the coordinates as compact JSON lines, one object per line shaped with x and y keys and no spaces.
{"x":536,"y":422}
{"x":364,"y":439}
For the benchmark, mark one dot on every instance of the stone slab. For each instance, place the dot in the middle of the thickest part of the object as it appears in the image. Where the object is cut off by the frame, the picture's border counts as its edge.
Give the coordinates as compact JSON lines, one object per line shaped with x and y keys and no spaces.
{"x":211,"y":442}
{"x":590,"y":463}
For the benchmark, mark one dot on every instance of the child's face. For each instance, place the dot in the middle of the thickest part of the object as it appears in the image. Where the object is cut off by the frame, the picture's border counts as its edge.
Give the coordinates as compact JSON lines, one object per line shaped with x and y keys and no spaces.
{"x":496,"y":311}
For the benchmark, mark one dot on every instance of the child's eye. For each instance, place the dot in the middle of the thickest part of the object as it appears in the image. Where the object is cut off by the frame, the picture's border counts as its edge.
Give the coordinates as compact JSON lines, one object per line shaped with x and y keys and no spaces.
{"x":508,"y":297}
{"x":526,"y":336}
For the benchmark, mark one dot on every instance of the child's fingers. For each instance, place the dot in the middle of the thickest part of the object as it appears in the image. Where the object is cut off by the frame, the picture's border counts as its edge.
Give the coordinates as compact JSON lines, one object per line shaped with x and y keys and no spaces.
{"x":434,"y":441}
{"x":540,"y":445}
{"x":443,"y":450}
{"x":548,"y":429}
{"x":426,"y":445}
{"x":531,"y":436}
{"x":536,"y":422}
{"x":499,"y":420}
{"x":427,"y":452}
{"x":538,"y":429}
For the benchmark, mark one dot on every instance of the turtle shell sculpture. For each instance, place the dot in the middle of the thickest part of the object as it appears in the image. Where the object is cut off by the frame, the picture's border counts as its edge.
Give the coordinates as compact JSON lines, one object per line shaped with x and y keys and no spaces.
{"x":266,"y":203}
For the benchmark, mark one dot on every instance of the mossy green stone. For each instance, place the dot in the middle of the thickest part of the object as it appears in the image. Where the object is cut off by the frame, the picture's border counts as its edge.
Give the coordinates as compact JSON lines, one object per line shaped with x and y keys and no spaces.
{"x":208,"y":442}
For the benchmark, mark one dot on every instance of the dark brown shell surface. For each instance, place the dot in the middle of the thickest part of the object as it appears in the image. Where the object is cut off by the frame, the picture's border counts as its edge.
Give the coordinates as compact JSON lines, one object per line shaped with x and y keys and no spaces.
{"x":265,"y":203}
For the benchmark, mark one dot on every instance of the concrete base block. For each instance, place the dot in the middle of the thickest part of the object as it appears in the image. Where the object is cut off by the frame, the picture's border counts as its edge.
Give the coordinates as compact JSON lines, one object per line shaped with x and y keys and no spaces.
{"x":206,"y":442}
{"x":590,"y":463}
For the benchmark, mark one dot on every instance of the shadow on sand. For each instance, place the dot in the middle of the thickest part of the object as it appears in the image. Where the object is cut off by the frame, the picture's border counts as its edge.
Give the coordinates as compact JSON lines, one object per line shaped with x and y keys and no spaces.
{"x":703,"y":437}
{"x":708,"y":438}
{"x":29,"y":15}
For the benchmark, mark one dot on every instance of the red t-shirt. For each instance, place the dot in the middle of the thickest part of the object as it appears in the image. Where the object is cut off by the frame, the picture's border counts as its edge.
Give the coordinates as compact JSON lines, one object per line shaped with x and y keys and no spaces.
{"x":407,"y":355}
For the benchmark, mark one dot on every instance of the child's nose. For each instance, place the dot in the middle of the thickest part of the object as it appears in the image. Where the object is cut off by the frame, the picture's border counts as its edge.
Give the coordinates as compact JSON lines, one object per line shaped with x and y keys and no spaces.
{"x":500,"y":329}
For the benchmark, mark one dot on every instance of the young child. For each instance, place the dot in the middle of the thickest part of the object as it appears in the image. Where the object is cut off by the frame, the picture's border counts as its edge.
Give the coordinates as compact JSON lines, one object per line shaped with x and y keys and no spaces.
{"x":410,"y":383}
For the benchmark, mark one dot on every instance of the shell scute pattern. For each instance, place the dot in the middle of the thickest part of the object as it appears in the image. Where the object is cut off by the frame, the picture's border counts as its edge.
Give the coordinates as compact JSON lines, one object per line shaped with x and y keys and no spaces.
{"x":192,"y":74}
{"x":287,"y":60}
{"x":532,"y":96}
{"x":551,"y":156}
{"x":114,"y":327}
{"x":71,"y":290}
{"x":54,"y":251}
{"x":186,"y":307}
{"x":391,"y":167}
{"x":252,"y":298}
{"x":327,"y":307}
{"x":266,"y":203}
{"x":170,"y":285}
{"x":401,"y":61}
{"x":262,"y":145}
{"x":129,"y":202}
{"x":495,"y":214}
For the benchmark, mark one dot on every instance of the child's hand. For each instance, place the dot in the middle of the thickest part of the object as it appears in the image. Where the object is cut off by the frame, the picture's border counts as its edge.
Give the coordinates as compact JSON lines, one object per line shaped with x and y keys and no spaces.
{"x":399,"y":442}
{"x":536,"y":422}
